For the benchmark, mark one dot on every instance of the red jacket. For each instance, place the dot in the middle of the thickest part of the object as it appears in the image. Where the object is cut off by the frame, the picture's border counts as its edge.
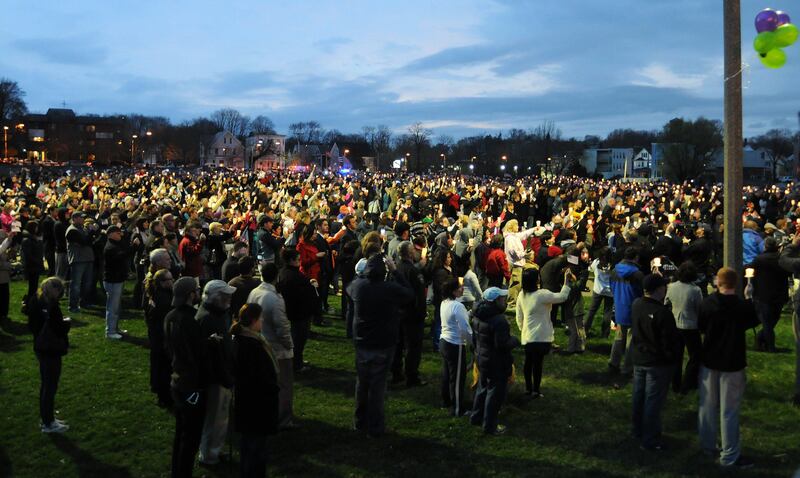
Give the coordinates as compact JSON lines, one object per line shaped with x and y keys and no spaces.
{"x":309,"y":262}
{"x":191,"y":252}
{"x":496,"y":264}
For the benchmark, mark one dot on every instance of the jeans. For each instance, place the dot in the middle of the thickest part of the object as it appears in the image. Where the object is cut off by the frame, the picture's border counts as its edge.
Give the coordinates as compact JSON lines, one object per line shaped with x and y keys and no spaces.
{"x":650,"y":387}
{"x":436,"y":325}
{"x":33,"y":284}
{"x":300,"y":330}
{"x":532,"y":369}
{"x":61,"y":265}
{"x":769,"y":313}
{"x":253,"y":449}
{"x":574,"y":321}
{"x":80,"y":282}
{"x":454,"y":371}
{"x":113,"y":301}
{"x":215,"y":425}
{"x":50,"y":373}
{"x":692,"y":343}
{"x":188,"y":431}
{"x":488,"y":399}
{"x":720,"y":399}
{"x":286,"y":393}
{"x":608,"y":311}
{"x":622,"y":348}
{"x":372,"y":365}
{"x":410,"y":345}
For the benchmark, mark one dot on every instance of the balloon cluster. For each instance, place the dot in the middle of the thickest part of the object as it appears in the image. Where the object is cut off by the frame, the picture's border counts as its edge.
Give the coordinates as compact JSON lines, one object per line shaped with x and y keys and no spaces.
{"x":775,"y":31}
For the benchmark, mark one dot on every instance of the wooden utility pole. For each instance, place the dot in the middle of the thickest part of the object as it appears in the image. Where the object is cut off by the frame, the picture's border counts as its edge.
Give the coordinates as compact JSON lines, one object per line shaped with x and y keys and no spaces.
{"x":732,"y":256}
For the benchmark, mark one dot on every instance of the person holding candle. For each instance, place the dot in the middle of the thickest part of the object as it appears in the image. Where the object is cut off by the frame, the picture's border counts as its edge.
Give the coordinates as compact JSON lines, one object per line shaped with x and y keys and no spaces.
{"x":770,"y":292}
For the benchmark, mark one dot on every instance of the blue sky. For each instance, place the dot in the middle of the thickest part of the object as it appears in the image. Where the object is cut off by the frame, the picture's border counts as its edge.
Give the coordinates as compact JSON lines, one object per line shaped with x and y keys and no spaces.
{"x":461,"y":67}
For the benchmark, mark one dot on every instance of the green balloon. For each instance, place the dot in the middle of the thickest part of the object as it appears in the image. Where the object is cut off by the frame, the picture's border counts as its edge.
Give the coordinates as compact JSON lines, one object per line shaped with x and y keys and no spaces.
{"x":775,"y":58}
{"x":764,"y":42}
{"x":785,"y":35}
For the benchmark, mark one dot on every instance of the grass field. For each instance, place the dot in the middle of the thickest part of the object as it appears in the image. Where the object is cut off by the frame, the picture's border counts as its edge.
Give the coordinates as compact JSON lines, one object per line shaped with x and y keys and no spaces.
{"x":580,"y":428}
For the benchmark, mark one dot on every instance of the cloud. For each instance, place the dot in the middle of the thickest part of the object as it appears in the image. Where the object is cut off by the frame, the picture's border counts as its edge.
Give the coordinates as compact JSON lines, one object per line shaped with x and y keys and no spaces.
{"x":76,"y":50}
{"x":455,"y":57}
{"x":661,"y":76}
{"x":328,"y":45}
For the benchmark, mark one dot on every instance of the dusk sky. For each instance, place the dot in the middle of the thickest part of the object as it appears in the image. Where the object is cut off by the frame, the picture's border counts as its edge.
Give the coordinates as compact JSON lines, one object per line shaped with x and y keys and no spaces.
{"x":462,"y":67}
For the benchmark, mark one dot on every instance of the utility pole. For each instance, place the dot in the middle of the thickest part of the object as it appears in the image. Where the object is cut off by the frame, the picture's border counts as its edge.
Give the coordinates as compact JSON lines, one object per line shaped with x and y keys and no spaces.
{"x":732,"y":241}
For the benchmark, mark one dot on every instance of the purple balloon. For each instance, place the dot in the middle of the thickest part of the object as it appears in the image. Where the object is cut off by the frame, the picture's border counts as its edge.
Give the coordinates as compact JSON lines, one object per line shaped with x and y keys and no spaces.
{"x":783,"y":18}
{"x":766,"y":20}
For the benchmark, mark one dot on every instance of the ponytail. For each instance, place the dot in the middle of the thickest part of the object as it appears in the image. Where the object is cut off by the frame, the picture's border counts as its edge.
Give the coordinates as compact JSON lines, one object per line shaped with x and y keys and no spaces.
{"x":248,"y":314}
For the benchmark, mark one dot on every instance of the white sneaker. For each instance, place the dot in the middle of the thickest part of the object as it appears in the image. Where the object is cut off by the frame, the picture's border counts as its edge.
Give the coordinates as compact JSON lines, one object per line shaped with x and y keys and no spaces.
{"x":122,"y":331}
{"x":61,"y":422}
{"x":114,"y":336}
{"x":55,"y":427}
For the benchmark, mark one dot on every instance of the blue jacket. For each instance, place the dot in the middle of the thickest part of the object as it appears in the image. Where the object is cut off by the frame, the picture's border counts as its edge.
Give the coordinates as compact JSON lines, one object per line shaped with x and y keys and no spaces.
{"x":626,"y":284}
{"x":753,"y":246}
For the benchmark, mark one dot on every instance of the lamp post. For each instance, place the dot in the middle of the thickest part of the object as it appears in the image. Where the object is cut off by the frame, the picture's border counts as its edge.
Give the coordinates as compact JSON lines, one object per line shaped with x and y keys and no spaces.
{"x":5,"y":142}
{"x":444,"y":161}
{"x":133,"y":147}
{"x":408,"y":157}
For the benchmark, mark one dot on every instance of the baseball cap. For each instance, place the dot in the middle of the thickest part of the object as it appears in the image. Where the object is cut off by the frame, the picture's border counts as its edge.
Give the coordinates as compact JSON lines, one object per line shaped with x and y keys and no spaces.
{"x":182,"y":288}
{"x":112,"y":229}
{"x":769,"y":226}
{"x":493,"y":293}
{"x":217,"y":286}
{"x":652,"y":282}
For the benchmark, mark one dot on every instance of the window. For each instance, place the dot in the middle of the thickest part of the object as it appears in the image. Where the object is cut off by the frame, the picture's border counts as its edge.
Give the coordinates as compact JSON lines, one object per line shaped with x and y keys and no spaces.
{"x":102,"y":135}
{"x":90,"y":128}
{"x":216,"y":150}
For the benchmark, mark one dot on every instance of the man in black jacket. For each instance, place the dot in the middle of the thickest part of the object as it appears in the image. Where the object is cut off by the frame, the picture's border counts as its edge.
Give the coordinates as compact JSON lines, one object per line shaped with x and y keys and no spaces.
{"x":412,"y":320}
{"x":493,"y":346}
{"x":301,"y":302}
{"x":215,"y":322}
{"x":61,"y":268}
{"x":724,"y":320}
{"x":654,"y":355}
{"x":116,"y":255}
{"x":186,"y":347}
{"x":375,"y":302}
{"x":770,"y":292}
{"x":47,"y":229}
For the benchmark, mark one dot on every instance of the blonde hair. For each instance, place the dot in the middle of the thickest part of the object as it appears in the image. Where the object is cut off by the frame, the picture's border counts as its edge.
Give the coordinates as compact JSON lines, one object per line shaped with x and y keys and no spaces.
{"x":214,"y":227}
{"x":49,"y":286}
{"x":511,"y":226}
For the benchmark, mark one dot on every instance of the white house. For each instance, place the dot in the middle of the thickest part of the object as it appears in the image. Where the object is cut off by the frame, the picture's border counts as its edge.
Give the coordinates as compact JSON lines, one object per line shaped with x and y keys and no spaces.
{"x":608,"y":162}
{"x":642,"y":164}
{"x":222,"y":150}
{"x":265,"y":151}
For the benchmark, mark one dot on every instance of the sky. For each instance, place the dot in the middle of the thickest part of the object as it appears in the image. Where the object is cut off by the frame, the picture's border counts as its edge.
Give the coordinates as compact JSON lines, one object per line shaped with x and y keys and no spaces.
{"x":461,"y":67}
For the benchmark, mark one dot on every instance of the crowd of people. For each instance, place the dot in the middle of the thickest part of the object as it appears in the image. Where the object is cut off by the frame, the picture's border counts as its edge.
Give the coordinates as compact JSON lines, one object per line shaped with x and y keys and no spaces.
{"x":233,"y":269}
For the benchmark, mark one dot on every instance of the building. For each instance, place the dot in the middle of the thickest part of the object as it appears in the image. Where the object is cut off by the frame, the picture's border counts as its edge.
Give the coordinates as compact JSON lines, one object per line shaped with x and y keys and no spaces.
{"x":338,"y":159}
{"x":608,"y":162}
{"x":307,"y":155}
{"x":756,"y":164}
{"x":265,"y":151}
{"x":222,"y":150}
{"x":61,"y":136}
{"x":643,"y":164}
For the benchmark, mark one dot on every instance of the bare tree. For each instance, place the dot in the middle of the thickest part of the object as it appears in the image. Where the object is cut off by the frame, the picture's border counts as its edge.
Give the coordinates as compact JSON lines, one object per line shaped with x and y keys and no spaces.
{"x":547,"y":129}
{"x":420,"y":137}
{"x":261,"y":125}
{"x":12,"y":104}
{"x":229,"y":119}
{"x":379,"y":139}
{"x":778,"y":143}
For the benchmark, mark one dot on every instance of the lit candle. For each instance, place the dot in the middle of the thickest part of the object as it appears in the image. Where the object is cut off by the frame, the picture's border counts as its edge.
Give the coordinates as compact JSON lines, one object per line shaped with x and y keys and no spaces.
{"x":657,"y":262}
{"x":749,"y":273}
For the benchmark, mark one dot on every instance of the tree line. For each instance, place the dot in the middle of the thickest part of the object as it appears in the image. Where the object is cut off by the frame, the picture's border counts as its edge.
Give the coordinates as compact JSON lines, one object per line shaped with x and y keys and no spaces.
{"x":689,"y":145}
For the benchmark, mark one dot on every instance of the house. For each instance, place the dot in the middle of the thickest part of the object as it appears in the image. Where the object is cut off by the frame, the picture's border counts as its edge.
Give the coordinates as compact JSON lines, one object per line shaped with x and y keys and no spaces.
{"x":756,"y":164}
{"x":338,"y":160}
{"x":306,"y":155}
{"x":642,"y":164}
{"x":265,"y":151}
{"x":608,"y":162}
{"x":222,"y":150}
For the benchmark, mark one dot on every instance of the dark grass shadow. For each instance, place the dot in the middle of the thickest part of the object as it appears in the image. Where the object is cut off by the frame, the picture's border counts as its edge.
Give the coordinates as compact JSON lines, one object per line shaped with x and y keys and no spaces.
{"x":329,"y":380}
{"x":88,"y":466}
{"x":604,"y":379}
{"x":14,"y":328}
{"x":10,"y":344}
{"x":6,"y":467}
{"x":599,"y":348}
{"x":142,"y":342}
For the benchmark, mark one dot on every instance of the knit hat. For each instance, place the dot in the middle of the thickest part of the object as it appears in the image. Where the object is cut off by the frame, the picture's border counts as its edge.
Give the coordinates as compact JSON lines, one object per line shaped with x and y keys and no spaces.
{"x":182,"y":288}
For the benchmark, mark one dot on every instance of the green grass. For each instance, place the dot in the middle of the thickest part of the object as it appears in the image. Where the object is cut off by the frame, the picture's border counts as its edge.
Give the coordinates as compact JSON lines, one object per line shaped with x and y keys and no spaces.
{"x":581,"y":427}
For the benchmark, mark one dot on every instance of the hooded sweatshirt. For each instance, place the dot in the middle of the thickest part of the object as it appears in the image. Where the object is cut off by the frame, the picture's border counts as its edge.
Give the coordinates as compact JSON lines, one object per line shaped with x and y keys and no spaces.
{"x":626,"y":285}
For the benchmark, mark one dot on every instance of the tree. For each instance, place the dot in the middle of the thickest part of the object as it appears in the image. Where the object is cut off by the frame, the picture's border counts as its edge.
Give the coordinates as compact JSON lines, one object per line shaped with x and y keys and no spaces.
{"x":778,"y":144}
{"x":628,"y":138}
{"x":690,"y":146}
{"x":261,"y":125}
{"x":12,"y":105}
{"x":228,"y":119}
{"x":306,"y":132}
{"x":420,"y":137}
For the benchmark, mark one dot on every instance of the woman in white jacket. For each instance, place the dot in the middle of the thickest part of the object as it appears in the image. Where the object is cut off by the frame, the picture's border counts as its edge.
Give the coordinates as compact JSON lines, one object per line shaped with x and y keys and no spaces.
{"x":533,"y":319}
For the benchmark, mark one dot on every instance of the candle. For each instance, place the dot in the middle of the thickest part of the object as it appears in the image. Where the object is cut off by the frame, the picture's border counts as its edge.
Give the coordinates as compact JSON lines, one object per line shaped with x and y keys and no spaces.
{"x":657,"y":262}
{"x":461,"y":281}
{"x":749,"y":273}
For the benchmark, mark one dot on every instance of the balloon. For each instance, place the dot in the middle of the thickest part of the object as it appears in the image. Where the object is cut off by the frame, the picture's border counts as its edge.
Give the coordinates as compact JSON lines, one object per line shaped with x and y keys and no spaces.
{"x":774,"y":58}
{"x":785,"y":35}
{"x":766,"y":20}
{"x":783,"y":18}
{"x":764,"y":42}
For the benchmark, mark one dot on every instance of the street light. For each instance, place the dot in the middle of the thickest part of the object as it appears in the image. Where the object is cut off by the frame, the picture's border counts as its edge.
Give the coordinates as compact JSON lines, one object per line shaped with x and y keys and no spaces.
{"x":502,"y":167}
{"x":133,"y":147}
{"x":444,"y":158}
{"x":5,"y":142}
